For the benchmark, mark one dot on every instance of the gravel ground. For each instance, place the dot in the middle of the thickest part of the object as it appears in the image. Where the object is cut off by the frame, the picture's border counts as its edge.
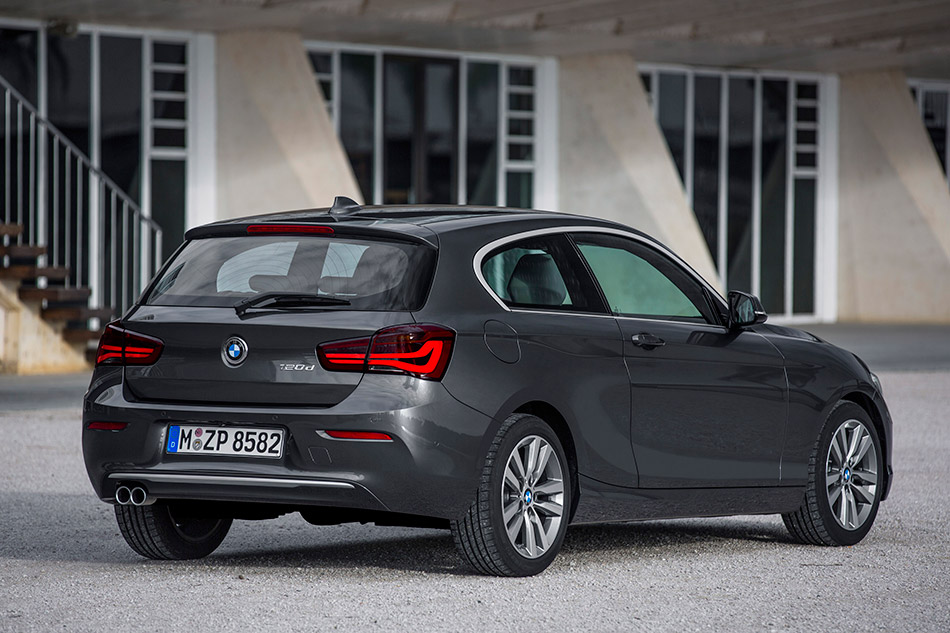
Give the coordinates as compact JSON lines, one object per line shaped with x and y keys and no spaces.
{"x":63,"y":565}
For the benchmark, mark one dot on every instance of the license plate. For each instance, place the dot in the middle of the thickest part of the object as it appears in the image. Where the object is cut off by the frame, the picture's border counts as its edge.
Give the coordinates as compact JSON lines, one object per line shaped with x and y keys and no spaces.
{"x":219,"y":440}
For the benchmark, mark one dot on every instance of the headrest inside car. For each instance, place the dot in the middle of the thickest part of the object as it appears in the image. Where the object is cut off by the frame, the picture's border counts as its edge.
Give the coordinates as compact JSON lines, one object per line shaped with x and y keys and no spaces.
{"x":536,"y":280}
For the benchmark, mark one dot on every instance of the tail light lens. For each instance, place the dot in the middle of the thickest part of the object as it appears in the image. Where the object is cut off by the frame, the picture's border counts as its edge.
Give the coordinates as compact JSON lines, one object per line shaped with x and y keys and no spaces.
{"x":118,"y":346}
{"x":421,"y":350}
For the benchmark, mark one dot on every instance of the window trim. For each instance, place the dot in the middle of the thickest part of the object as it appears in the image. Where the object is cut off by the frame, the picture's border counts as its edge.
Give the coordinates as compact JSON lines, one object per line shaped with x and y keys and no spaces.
{"x":566,"y":230}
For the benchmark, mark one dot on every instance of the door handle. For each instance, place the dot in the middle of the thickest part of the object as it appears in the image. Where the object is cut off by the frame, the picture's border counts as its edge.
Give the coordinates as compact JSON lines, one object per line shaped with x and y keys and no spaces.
{"x":644,"y":339}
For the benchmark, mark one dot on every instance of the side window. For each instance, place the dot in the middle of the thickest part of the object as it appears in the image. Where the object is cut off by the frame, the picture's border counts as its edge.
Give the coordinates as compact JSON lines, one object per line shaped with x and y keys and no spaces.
{"x":639,"y":281}
{"x":540,"y":273}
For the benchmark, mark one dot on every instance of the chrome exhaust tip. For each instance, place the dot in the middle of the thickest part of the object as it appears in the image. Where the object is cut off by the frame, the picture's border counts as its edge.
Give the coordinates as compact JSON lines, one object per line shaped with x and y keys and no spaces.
{"x":123,"y":496}
{"x":138,"y":496}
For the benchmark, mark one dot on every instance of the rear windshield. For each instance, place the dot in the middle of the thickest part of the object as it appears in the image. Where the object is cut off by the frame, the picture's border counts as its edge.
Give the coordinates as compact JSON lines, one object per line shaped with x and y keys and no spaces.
{"x":370,"y":274}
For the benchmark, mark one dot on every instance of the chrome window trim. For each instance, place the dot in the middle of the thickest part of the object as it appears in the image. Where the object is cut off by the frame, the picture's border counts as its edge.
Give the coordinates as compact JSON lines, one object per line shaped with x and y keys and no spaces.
{"x":565,"y":230}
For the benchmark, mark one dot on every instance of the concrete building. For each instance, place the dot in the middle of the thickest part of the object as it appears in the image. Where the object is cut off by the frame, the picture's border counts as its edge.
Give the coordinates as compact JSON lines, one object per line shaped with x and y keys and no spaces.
{"x":796,"y":149}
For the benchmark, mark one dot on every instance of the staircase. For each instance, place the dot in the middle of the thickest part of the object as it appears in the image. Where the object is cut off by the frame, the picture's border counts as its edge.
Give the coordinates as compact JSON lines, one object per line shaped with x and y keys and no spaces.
{"x":75,"y":250}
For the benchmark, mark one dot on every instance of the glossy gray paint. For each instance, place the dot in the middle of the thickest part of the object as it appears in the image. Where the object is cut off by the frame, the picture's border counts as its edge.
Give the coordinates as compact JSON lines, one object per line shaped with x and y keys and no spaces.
{"x":717,"y":421}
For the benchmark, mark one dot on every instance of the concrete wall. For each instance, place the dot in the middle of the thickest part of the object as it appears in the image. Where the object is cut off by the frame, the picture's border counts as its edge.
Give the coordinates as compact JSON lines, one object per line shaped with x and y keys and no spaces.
{"x":614,"y":162}
{"x":276,"y":147}
{"x":894,"y":207}
{"x":30,"y":345}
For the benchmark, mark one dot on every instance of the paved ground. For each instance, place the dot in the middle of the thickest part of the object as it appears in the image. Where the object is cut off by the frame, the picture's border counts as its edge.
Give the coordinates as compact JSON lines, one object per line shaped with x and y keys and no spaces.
{"x":63,"y":565}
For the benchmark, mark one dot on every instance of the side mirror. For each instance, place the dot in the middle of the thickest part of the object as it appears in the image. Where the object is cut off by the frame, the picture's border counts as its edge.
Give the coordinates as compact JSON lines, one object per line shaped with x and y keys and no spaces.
{"x":744,"y":310}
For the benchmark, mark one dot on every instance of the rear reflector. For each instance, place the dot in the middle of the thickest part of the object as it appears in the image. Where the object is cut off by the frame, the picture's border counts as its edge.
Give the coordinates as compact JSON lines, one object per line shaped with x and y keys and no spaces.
{"x":359,"y":435}
{"x":421,"y":350}
{"x":107,"y":426}
{"x":289,"y":228}
{"x":118,"y":346}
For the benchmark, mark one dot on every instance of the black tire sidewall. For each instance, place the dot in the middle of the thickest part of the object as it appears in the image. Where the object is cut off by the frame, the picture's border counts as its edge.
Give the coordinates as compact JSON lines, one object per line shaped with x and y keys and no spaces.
{"x":839,"y":416}
{"x":518,"y":564}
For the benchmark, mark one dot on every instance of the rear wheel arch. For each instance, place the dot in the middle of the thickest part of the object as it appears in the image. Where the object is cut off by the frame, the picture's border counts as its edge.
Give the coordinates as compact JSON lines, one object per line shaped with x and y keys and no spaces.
{"x":553,"y":418}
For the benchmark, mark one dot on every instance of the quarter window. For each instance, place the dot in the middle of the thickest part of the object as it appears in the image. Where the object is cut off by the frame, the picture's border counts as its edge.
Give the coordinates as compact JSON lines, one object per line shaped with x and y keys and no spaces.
{"x":638,"y":281}
{"x":540,"y":273}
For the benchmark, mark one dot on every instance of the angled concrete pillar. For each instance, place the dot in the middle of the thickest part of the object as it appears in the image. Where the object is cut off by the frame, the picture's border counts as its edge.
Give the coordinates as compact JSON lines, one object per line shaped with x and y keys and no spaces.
{"x":276,"y":147}
{"x":894,"y":207}
{"x":614,"y":162}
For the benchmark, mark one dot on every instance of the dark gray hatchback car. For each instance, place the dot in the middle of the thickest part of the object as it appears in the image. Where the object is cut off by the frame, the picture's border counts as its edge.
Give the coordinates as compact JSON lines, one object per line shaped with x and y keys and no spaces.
{"x":496,"y":372}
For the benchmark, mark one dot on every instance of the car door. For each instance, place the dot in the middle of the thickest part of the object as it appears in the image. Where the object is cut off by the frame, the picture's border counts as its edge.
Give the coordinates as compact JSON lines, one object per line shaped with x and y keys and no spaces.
{"x":571,"y":349}
{"x":708,"y":404}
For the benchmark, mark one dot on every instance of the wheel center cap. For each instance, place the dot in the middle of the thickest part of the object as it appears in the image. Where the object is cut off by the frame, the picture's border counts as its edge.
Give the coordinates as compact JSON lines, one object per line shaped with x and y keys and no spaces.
{"x":847,"y":474}
{"x":527,"y":497}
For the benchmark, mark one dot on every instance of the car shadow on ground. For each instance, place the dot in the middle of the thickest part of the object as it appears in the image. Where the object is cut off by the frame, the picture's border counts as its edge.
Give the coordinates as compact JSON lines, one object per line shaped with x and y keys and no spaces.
{"x":77,"y":528}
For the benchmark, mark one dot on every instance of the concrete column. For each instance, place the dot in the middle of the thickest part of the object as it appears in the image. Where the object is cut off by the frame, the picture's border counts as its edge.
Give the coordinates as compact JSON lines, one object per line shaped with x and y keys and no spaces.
{"x":894,"y":207}
{"x":276,"y":146}
{"x":614,"y":162}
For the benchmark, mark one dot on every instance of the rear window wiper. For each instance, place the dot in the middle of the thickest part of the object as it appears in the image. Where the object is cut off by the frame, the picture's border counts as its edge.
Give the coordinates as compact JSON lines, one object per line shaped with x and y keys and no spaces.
{"x":283,"y":299}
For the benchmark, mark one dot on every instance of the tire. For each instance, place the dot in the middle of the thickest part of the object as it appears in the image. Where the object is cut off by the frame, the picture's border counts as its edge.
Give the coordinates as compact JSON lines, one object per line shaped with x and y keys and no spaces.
{"x":163,"y":531}
{"x":536,"y":505}
{"x":827,"y":516}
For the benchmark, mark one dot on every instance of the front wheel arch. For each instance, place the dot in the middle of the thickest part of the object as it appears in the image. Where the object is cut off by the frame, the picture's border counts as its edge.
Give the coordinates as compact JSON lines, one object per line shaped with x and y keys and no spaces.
{"x":866,"y":403}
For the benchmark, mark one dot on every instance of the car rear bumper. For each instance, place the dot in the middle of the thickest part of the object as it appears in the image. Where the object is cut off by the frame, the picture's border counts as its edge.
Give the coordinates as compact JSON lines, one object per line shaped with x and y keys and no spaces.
{"x":429,"y":469}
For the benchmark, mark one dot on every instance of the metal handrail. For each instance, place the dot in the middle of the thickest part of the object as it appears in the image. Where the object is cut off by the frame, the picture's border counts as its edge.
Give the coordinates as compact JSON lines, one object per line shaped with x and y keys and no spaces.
{"x":106,"y":241}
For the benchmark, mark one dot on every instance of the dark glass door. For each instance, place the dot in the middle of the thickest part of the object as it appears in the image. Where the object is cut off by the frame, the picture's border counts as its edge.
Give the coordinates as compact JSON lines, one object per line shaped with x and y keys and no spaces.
{"x":420,"y":130}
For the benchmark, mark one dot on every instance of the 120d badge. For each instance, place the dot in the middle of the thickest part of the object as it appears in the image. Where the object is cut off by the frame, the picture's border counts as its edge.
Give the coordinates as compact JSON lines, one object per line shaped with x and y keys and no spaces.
{"x":295,"y":367}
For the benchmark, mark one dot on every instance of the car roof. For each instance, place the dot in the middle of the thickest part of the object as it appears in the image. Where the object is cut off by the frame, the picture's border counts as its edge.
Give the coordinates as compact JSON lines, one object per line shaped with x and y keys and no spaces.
{"x":405,"y":218}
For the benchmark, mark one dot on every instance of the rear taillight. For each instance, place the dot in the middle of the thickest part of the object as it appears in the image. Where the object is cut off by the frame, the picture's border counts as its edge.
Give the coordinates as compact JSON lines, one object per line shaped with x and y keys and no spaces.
{"x":422,"y":351}
{"x":122,"y":347}
{"x":107,"y":426}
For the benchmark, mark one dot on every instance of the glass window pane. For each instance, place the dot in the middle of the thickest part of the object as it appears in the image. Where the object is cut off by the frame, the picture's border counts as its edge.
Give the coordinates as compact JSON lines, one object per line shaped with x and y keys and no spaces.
{"x":520,"y":151}
{"x":520,"y":76}
{"x":773,"y":187}
{"x":935,"y":120}
{"x":739,"y":245}
{"x":807,"y":90}
{"x":806,"y":137}
{"x":168,"y":202}
{"x":120,"y":110}
{"x":706,"y":159}
{"x":399,"y":106}
{"x":440,"y":133}
{"x":803,"y":285}
{"x":165,"y":53}
{"x":806,"y":159}
{"x":806,"y":114}
{"x":168,"y":137}
{"x":482,"y":134}
{"x":637,"y":281}
{"x":520,"y":127}
{"x":646,"y":79}
{"x":519,"y":189}
{"x":322,"y":62}
{"x":521,"y":102}
{"x":168,"y":82}
{"x":672,"y":97}
{"x":166,"y":109}
{"x":542,"y":273}
{"x":356,"y":111}
{"x":18,"y":51}
{"x":69,"y":79}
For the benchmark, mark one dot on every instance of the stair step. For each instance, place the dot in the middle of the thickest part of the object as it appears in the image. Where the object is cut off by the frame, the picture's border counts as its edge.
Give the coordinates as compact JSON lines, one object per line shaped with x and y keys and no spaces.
{"x":26,"y":271}
{"x":55,"y":294}
{"x":81,"y":336}
{"x":22,"y":251}
{"x":77,"y":313}
{"x":10,"y":229}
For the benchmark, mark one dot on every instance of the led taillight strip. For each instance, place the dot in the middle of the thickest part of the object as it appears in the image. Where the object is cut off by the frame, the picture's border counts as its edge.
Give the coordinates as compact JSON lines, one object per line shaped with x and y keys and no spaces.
{"x":432,"y":349}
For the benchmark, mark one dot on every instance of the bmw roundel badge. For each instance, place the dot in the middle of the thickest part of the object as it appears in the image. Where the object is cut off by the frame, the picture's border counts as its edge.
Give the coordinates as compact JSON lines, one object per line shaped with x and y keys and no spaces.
{"x":234,"y":351}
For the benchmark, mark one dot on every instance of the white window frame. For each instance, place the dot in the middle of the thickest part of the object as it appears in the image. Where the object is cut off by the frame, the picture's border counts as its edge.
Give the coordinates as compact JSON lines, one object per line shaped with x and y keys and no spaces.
{"x":825,"y":175}
{"x":543,"y":166}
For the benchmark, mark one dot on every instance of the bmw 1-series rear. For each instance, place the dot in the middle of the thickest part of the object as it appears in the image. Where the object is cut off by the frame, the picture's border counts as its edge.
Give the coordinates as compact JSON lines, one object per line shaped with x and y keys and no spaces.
{"x":499,"y":373}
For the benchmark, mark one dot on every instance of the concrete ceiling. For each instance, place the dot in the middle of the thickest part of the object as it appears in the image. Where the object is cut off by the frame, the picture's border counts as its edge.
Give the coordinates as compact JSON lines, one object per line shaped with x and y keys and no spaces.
{"x":823,"y":35}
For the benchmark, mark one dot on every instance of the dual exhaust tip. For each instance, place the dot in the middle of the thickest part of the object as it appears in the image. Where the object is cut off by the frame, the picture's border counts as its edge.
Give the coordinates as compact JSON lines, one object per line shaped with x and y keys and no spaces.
{"x":132,"y":495}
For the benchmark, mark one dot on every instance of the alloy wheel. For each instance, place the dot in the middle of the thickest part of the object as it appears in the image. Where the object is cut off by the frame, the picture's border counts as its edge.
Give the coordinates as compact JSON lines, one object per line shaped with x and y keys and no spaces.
{"x":532,"y":496}
{"x":851,"y":474}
